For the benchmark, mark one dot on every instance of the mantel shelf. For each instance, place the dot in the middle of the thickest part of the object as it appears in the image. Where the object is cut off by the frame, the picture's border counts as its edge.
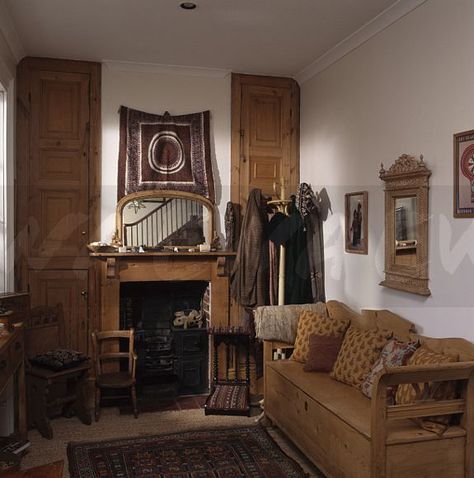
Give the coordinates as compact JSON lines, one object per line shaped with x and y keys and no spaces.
{"x":162,"y":254}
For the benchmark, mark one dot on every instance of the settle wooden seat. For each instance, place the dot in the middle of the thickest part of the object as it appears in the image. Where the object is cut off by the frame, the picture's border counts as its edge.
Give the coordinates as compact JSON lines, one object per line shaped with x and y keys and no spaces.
{"x":49,"y":392}
{"x":107,"y":378}
{"x":230,"y":396}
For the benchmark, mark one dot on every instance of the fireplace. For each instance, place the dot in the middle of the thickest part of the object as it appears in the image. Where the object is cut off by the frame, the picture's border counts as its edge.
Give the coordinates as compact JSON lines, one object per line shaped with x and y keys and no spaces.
{"x":117,"y":273}
{"x":173,"y":357}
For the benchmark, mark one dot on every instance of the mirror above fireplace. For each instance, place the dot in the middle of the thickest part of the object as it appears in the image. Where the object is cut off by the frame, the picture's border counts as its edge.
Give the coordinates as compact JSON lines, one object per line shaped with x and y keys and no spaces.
{"x":160,"y":218}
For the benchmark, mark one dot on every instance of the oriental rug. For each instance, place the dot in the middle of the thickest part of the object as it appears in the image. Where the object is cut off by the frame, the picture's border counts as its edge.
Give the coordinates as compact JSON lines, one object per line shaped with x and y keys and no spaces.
{"x":246,"y":452}
{"x":164,"y":152}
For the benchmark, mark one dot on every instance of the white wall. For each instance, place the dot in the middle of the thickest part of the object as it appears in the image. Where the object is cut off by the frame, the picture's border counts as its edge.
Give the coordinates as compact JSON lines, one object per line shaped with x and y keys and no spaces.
{"x":407,"y":90}
{"x":156,"y":93}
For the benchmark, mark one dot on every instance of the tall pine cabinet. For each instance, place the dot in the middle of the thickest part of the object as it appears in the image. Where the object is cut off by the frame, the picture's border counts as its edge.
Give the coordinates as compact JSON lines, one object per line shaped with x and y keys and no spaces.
{"x":58,"y":188}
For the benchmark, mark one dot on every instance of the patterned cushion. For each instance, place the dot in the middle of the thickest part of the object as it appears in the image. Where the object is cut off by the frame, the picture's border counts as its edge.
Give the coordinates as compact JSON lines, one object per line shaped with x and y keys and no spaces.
{"x":359,"y":351}
{"x":323,"y":351}
{"x":310,"y":323}
{"x":393,"y":354}
{"x":406,"y":393}
{"x":59,"y":359}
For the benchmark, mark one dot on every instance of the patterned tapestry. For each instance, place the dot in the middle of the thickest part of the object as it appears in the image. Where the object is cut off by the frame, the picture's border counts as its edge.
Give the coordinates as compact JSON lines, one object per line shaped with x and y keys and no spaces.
{"x":164,"y":152}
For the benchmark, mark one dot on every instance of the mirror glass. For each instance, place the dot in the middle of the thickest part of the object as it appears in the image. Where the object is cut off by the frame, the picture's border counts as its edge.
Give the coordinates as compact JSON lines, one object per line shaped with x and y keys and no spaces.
{"x":154,"y":222}
{"x":406,"y":239}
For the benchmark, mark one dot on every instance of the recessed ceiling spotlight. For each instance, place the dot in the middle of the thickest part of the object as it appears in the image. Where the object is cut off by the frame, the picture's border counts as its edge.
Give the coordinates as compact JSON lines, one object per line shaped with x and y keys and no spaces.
{"x":188,"y":5}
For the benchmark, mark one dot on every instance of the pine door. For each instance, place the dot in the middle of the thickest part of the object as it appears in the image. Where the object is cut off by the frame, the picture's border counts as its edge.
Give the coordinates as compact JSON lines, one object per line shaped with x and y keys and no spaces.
{"x":58,"y":180}
{"x":265,"y":134}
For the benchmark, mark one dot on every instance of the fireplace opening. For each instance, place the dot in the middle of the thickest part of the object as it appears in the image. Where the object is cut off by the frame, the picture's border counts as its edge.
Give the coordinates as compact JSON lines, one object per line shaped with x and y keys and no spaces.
{"x":171,"y":341}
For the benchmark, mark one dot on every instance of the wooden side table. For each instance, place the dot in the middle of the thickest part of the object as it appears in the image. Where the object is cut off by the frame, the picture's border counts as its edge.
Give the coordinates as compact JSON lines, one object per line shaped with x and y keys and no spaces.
{"x":51,"y":470}
{"x":230,"y":396}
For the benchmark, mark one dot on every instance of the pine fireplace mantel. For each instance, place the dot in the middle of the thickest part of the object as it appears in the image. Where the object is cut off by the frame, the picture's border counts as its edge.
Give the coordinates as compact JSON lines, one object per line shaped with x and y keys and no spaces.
{"x":114,"y":268}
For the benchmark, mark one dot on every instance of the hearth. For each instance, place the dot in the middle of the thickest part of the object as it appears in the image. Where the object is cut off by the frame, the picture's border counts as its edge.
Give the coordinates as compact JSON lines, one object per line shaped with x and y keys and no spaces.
{"x":172,"y":360}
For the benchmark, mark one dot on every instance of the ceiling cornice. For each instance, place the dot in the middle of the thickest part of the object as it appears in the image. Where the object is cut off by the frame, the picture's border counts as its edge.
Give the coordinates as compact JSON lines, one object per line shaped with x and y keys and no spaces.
{"x":7,"y":27}
{"x":356,"y":39}
{"x":157,"y":68}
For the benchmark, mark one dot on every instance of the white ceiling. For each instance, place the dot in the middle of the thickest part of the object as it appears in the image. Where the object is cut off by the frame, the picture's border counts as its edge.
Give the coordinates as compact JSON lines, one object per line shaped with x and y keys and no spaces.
{"x":271,"y":37}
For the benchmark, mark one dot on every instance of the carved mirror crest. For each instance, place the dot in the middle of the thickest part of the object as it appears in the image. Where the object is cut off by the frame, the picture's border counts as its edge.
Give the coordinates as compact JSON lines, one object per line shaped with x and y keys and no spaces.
{"x":406,"y":225}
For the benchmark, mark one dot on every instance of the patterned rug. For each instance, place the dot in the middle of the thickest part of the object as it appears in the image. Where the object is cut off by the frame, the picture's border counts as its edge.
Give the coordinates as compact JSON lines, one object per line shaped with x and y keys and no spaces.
{"x":222,"y":453}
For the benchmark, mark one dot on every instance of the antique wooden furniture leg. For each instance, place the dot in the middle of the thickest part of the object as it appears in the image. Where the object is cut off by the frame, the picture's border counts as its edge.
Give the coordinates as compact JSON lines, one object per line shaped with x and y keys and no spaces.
{"x":97,"y":403}
{"x":38,"y":392}
{"x":134,"y":401}
{"x":79,"y":406}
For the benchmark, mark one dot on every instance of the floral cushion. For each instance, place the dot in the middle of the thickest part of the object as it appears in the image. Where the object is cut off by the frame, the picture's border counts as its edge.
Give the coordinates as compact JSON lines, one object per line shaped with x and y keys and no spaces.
{"x":311,"y":323}
{"x":394,"y":354}
{"x":58,"y":359}
{"x":360,"y":350}
{"x":406,"y":393}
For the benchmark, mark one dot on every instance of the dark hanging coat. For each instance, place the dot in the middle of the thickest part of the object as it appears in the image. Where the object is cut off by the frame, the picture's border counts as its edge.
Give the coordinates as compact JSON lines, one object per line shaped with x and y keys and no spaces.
{"x":249,"y":277}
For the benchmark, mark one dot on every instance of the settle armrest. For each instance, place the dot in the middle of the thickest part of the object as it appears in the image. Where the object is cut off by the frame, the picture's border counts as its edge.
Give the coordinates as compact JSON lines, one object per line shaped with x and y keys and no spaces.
{"x":425,"y":373}
{"x":381,"y":412}
{"x":420,"y":374}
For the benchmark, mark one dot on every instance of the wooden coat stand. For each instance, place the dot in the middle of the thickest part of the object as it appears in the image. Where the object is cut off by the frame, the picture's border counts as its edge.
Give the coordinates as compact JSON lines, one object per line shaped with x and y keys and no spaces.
{"x":281,"y":205}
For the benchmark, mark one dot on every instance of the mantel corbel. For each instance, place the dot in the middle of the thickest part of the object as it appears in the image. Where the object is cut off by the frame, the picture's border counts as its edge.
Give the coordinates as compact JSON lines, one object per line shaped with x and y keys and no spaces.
{"x":112,"y":269}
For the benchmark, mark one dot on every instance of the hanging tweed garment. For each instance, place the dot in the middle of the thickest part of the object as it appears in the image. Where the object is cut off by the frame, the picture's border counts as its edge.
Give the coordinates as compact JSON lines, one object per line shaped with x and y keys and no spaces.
{"x":249,"y":277}
{"x":308,"y":205}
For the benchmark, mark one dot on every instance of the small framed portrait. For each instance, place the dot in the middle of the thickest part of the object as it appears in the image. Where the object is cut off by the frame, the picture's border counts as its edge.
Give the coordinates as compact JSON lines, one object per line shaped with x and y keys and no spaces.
{"x":356,"y":229}
{"x":464,"y":174}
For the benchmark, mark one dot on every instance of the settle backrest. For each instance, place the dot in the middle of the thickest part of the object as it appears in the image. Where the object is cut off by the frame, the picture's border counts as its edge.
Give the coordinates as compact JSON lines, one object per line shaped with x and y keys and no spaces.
{"x":402,"y":329}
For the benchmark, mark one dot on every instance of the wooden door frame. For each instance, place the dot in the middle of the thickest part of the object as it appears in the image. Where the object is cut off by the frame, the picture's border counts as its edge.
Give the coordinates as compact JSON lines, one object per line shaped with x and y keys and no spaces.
{"x":238,"y":80}
{"x":23,"y":103}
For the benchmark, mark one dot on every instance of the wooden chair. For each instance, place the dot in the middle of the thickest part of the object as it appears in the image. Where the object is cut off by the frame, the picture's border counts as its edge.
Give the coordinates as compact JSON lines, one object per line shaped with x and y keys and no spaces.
{"x":51,"y":393}
{"x":106,"y":376}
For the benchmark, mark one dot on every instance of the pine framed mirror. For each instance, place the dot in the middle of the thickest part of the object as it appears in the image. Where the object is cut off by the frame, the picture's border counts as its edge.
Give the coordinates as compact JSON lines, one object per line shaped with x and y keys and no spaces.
{"x":158,"y":218}
{"x":406,"y":225}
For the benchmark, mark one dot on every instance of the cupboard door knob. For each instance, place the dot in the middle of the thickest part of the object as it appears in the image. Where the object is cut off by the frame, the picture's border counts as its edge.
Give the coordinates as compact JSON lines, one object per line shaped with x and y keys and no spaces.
{"x":83,"y":233}
{"x":84,"y":294}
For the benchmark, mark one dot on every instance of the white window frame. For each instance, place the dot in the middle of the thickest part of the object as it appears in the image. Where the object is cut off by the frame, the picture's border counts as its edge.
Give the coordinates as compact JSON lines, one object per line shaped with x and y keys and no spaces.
{"x":6,"y":187}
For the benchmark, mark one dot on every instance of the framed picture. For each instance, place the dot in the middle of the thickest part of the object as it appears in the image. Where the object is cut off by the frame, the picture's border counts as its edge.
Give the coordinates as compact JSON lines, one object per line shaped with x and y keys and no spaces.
{"x":464,"y":174}
{"x":356,"y":230}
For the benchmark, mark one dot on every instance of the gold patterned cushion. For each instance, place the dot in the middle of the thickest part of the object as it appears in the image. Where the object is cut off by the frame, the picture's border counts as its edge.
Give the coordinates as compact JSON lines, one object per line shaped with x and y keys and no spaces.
{"x":311,"y":323}
{"x":407,"y":393}
{"x":359,"y":351}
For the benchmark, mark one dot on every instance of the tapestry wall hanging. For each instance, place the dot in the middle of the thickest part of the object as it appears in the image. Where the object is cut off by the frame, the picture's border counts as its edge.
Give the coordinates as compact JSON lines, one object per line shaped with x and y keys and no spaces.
{"x":164,"y":152}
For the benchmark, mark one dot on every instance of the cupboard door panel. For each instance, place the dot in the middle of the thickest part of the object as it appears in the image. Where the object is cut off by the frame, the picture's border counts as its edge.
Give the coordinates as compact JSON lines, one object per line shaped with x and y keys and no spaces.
{"x":69,"y":288}
{"x":58,"y":223}
{"x":265,"y":135}
{"x":59,"y":164}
